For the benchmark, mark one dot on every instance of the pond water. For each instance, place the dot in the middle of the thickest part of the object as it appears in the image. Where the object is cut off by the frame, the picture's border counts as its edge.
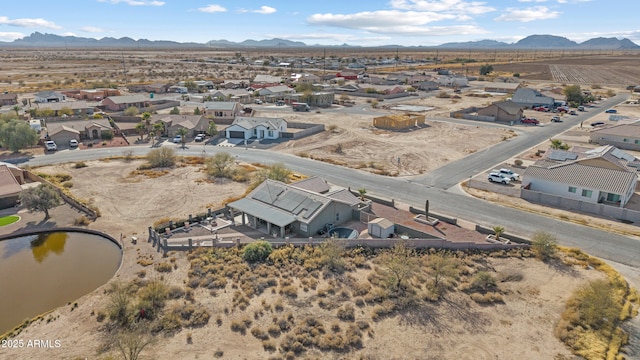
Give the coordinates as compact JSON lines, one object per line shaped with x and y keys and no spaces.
{"x":41,"y":272}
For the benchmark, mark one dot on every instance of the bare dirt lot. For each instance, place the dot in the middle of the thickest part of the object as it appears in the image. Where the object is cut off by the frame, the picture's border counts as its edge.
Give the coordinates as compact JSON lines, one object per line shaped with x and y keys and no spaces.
{"x":519,"y":327}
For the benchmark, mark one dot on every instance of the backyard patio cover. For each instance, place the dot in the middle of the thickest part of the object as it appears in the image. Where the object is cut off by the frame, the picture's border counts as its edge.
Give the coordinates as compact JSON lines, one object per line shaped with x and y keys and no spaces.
{"x":264,"y":212}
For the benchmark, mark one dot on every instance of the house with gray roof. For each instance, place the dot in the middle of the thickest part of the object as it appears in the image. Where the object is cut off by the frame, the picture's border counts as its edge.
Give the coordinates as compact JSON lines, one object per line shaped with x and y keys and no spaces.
{"x":47,"y":96}
{"x":530,"y":98}
{"x":274,"y":93}
{"x":259,"y":128}
{"x":285,"y":210}
{"x":605,"y":175}
{"x":123,"y":102}
{"x":10,"y":188}
{"x":623,"y":136}
{"x":194,"y":124}
{"x":62,"y":131}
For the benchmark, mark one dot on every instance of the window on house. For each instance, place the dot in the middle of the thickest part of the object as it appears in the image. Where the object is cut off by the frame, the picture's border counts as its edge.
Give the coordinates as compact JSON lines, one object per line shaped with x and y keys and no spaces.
{"x":613,"y":197}
{"x":587,"y":193}
{"x":572,"y":189}
{"x":625,"y":140}
{"x":637,"y":142}
{"x":270,"y":133}
{"x":337,"y":217}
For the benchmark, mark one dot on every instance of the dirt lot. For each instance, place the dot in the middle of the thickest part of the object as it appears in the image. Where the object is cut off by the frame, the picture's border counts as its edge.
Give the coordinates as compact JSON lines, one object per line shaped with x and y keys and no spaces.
{"x":353,"y":141}
{"x":457,"y":328}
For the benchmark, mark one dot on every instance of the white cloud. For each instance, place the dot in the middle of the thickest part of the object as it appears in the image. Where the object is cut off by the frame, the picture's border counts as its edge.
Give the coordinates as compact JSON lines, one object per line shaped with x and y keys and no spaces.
{"x":265,"y":10}
{"x":10,"y":36}
{"x":212,"y":8}
{"x":92,"y":29}
{"x":331,"y":37}
{"x":449,"y":6}
{"x":135,"y":2}
{"x":69,"y":33}
{"x":378,"y":19}
{"x":528,"y":14}
{"x":28,"y":22}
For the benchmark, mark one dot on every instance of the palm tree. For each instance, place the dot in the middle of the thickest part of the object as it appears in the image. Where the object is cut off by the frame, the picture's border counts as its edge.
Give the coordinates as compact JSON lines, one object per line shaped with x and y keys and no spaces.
{"x":158,"y":128}
{"x":183,"y":135}
{"x":16,"y":108}
{"x":141,"y":129}
{"x":362,"y":192}
{"x":498,"y":230}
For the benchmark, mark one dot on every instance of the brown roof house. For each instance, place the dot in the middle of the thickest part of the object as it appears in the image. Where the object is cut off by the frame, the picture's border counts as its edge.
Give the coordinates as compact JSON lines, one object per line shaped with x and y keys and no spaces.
{"x":119,"y":103}
{"x":9,"y":187}
{"x":195,"y":124}
{"x":222,"y":110}
{"x":605,"y":175}
{"x":504,"y":111}
{"x":7,"y":99}
{"x":84,"y":129}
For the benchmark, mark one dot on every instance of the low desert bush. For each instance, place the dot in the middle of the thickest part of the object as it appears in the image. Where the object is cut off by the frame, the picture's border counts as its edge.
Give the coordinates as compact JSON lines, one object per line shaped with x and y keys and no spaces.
{"x":80,"y":165}
{"x":346,"y":313}
{"x":163,"y":267}
{"x":81,"y":221}
{"x":268,"y":345}
{"x":175,"y":292}
{"x":488,"y":298}
{"x":258,"y":333}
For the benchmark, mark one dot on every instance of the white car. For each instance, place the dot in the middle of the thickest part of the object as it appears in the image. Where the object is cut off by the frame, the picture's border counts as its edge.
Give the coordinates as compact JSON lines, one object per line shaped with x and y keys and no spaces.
{"x":50,"y":146}
{"x":497,"y":178}
{"x":73,"y":143}
{"x":508,"y":174}
{"x":199,"y":137}
{"x":177,"y":139}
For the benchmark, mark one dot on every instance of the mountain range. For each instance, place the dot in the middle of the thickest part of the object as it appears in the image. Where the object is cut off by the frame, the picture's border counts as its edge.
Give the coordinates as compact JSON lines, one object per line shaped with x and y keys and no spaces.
{"x":530,"y":42}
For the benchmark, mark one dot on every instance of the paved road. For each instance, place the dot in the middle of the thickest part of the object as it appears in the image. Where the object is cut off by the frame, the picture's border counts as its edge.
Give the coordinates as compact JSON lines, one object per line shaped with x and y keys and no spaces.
{"x":608,"y":246}
{"x":458,"y":171}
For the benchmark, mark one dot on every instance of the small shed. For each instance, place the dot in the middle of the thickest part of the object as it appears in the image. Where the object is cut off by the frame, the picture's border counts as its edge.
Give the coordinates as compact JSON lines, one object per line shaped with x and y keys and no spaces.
{"x":381,"y":228}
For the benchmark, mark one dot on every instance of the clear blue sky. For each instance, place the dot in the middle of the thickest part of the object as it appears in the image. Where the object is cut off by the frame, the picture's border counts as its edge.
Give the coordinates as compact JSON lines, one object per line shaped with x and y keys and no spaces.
{"x":325,"y":22}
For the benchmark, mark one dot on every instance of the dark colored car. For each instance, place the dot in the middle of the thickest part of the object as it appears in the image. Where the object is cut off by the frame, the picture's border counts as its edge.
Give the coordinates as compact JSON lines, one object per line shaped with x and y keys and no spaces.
{"x":611,"y":111}
{"x":597,"y":123}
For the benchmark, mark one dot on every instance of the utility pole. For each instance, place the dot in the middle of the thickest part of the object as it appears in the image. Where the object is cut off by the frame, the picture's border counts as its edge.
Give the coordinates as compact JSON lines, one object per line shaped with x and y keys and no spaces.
{"x":124,"y":68}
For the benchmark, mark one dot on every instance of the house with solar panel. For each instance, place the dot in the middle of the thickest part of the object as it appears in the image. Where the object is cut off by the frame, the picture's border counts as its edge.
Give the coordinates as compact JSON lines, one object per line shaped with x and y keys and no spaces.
{"x":300,"y":209}
{"x":604,"y":175}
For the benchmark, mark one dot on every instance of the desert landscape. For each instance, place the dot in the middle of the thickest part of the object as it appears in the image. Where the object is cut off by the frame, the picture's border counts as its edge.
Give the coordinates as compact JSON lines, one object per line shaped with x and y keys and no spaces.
{"x":324,"y":302}
{"x":528,"y":296}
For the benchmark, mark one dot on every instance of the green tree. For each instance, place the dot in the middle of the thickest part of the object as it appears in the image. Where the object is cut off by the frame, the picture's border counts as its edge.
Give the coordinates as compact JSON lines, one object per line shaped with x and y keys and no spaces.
{"x":16,"y":135}
{"x":152,"y":298}
{"x":183,"y":136}
{"x":362,"y":192}
{"x":277,"y":171}
{"x":574,"y":94}
{"x":97,"y":116}
{"x":175,"y":111}
{"x":213,"y":128}
{"x":131,"y":341}
{"x":498,"y":230}
{"x":220,"y":165}
{"x":331,"y":251}
{"x":132,"y":111}
{"x":16,"y":108}
{"x":486,"y":69}
{"x":106,"y":135}
{"x":257,"y":251}
{"x":119,"y":305}
{"x":197,"y":111}
{"x":190,"y":85}
{"x":141,"y":128}
{"x":558,"y":145}
{"x":543,"y":245}
{"x":483,"y":281}
{"x":45,"y":113}
{"x":162,"y":157}
{"x":400,"y":264}
{"x":441,"y":267}
{"x":65,"y":111}
{"x":43,"y":197}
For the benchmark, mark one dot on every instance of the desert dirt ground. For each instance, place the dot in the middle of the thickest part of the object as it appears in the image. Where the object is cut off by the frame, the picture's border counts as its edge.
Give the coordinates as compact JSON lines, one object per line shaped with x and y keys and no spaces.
{"x":521,"y":327}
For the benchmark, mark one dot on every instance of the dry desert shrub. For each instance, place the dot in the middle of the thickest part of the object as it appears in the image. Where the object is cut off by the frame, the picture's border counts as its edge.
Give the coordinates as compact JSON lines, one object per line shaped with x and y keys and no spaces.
{"x":259,"y":333}
{"x":163,"y":267}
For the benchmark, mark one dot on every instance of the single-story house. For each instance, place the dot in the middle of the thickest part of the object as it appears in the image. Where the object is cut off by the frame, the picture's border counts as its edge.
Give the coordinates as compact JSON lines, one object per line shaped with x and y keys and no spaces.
{"x":427,"y":85}
{"x":62,"y":134}
{"x":91,"y":94}
{"x":120,"y":103}
{"x":7,"y":99}
{"x":529,"y":97}
{"x":600,"y":175}
{"x":9,"y":187}
{"x":347,"y":75}
{"x":156,"y":88}
{"x":321,"y":99}
{"x":273,"y":92}
{"x":201,"y":84}
{"x":307,"y":79}
{"x":235,"y":84}
{"x":266,"y":79}
{"x":87,"y":129}
{"x":453,"y":80}
{"x":502,"y":87}
{"x":256,"y":127}
{"x":283,"y":209}
{"x":505,"y":111}
{"x":314,"y":183}
{"x":195,"y":124}
{"x":222,"y":110}
{"x":80,"y":107}
{"x":624,"y":136}
{"x":49,"y":96}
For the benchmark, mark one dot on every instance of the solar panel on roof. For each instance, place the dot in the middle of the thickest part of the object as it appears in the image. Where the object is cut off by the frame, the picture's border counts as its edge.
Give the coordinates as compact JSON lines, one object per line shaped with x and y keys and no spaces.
{"x":622,"y":155}
{"x":561,"y":155}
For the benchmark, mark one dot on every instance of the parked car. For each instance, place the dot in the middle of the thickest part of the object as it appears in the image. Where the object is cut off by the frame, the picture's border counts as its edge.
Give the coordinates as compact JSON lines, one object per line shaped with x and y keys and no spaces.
{"x":541,"y":108}
{"x":581,"y":108}
{"x":533,"y":121}
{"x":258,"y":101}
{"x":611,"y":111}
{"x":199,"y":138}
{"x":556,"y":119}
{"x":597,"y":123}
{"x":563,"y":109}
{"x":508,"y":174}
{"x":73,"y":143}
{"x":50,"y":146}
{"x":177,"y":139}
{"x":497,"y":178}
{"x":279,"y":103}
{"x":573,"y":112}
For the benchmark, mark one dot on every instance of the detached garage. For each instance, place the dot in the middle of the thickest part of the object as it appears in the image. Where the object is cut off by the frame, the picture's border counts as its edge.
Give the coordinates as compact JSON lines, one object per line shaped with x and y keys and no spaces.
{"x":381,"y":228}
